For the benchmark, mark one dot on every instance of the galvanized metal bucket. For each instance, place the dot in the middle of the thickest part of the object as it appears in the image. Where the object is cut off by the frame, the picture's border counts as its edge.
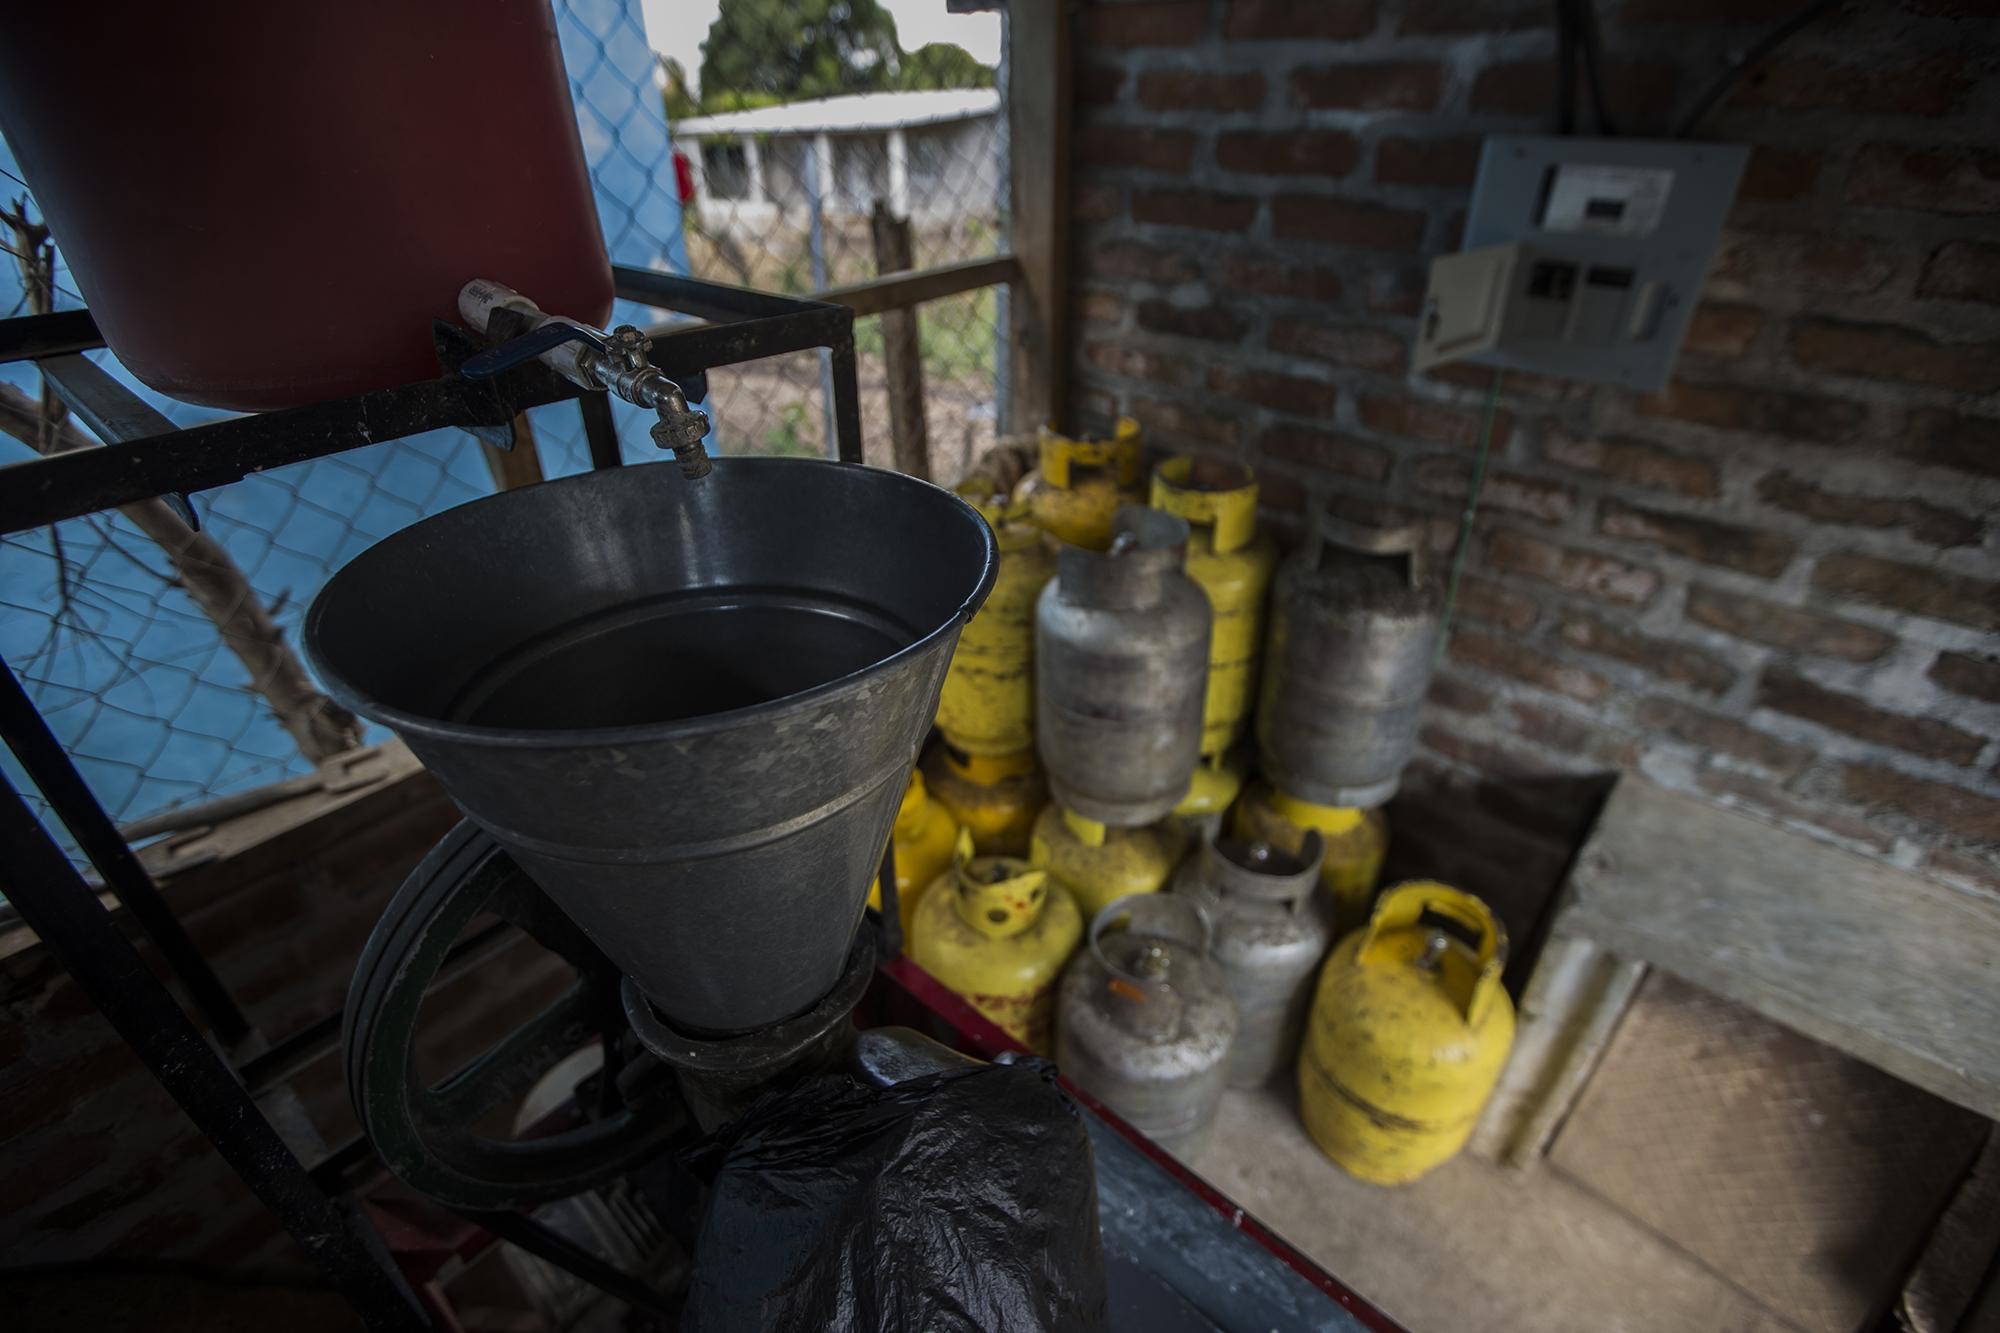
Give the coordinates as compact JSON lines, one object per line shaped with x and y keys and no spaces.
{"x":688,"y":711}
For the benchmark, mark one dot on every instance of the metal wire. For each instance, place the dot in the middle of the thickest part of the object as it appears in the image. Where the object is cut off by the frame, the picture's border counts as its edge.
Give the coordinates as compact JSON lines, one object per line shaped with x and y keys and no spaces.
{"x":132,"y":674}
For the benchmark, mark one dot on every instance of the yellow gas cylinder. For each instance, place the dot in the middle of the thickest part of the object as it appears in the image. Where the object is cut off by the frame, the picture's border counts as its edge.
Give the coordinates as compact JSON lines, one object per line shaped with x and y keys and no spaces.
{"x":1218,"y":780}
{"x":997,"y":796}
{"x":1097,"y":863}
{"x":1233,"y":563}
{"x":1078,"y":484}
{"x":1408,"y":1033}
{"x":924,"y":837}
{"x":998,"y":931}
{"x":1356,"y":841}
{"x":987,"y":705}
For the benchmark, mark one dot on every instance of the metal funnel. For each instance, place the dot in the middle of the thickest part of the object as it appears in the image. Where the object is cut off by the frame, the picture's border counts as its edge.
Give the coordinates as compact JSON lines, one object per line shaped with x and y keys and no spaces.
{"x":688,"y":710}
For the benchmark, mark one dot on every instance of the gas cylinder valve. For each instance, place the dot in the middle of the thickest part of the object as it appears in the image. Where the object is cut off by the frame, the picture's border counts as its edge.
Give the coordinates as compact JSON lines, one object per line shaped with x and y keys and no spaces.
{"x":616,"y":362}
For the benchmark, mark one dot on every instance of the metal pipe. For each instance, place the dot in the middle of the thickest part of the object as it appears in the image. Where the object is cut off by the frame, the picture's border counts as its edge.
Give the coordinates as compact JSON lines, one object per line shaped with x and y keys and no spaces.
{"x":70,"y":797}
{"x":60,"y":908}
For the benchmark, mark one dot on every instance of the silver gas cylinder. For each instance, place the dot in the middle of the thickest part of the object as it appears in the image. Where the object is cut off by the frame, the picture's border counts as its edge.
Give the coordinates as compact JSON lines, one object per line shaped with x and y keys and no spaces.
{"x":1144,"y":1020}
{"x":1270,"y":930}
{"x":1353,"y":629}
{"x":1121,"y":671}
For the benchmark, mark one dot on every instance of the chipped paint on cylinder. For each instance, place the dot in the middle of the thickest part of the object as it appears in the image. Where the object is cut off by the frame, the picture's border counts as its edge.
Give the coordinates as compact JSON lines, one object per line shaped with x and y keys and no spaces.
{"x":1098,"y":864}
{"x":924,"y":836}
{"x":1217,"y":782}
{"x":1356,"y":841}
{"x":997,"y":932}
{"x":1233,"y":563}
{"x":987,"y":706}
{"x":1409,"y":1031}
{"x":997,"y":796}
{"x":1078,"y":484}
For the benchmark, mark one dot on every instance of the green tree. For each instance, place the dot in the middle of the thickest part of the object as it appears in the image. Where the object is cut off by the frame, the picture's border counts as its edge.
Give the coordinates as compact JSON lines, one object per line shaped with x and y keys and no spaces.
{"x":680,"y":102}
{"x":942,"y":65}
{"x":790,"y":50}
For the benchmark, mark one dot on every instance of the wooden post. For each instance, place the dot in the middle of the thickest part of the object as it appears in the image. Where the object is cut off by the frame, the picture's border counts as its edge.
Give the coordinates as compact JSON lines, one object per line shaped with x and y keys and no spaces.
{"x":1038,"y":116}
{"x":901,"y":354}
{"x":519,"y":466}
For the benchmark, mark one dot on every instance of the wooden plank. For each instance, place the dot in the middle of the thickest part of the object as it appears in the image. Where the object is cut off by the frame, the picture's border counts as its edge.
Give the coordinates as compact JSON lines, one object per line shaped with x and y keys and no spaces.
{"x":1897,"y":970}
{"x":1038,"y":113}
{"x":899,"y":290}
{"x":902,"y":357}
{"x":518,"y":466}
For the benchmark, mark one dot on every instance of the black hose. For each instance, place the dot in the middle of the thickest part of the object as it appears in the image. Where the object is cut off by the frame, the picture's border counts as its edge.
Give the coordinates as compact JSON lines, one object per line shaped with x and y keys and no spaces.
{"x":1765,"y":45}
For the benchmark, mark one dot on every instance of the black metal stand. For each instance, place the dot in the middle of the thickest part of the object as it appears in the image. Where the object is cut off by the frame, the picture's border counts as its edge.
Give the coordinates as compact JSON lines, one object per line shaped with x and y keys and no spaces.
{"x":142,"y":461}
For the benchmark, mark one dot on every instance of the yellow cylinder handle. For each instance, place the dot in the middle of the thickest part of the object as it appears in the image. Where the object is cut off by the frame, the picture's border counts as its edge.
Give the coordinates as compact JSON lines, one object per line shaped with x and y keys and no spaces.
{"x":1211,"y":493}
{"x":1404,"y":907}
{"x":1060,"y":453}
{"x":1000,"y":896}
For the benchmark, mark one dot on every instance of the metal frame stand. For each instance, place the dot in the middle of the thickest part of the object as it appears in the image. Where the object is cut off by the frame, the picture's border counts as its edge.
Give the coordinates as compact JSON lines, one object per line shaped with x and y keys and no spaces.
{"x":142,"y":460}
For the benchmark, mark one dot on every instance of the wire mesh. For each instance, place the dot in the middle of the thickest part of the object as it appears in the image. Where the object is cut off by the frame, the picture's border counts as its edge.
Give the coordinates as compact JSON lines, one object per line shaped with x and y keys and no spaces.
{"x":132,"y":672}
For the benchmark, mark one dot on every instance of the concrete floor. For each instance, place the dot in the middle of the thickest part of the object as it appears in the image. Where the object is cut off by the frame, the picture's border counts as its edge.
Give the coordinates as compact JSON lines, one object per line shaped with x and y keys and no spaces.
{"x":1471,"y":1246}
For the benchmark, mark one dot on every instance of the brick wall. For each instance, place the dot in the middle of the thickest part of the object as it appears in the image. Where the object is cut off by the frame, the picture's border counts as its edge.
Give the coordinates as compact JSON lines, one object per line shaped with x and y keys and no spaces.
{"x":100,"y":1164}
{"x":1776,"y":584}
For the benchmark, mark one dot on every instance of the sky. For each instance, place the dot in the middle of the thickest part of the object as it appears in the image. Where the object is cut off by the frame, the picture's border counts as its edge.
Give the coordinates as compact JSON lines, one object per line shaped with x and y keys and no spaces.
{"x":676,"y":29}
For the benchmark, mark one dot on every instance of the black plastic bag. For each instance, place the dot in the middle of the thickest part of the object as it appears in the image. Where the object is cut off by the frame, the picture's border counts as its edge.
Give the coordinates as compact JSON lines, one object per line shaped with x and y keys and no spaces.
{"x":963,"y":1200}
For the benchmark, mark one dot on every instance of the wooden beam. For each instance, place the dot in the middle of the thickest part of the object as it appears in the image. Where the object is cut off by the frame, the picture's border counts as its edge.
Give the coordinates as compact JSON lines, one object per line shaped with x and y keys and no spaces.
{"x":1038,"y":119}
{"x":899,"y":291}
{"x":902,"y":354}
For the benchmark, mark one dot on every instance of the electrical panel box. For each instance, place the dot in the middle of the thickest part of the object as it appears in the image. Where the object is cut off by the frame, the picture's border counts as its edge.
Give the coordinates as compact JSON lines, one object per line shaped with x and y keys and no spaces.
{"x":1583,"y":258}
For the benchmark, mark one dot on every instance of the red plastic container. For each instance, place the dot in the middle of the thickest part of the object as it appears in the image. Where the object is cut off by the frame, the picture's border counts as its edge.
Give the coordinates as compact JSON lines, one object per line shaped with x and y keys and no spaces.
{"x":267,"y":204}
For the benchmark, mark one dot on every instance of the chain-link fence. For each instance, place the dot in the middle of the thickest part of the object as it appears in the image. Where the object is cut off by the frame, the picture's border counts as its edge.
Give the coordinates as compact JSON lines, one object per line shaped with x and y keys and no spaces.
{"x":140,"y":665}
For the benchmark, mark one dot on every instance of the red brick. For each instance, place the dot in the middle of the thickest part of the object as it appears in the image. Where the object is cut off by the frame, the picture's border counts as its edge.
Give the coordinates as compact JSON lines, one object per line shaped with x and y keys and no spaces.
{"x":1678,"y":662}
{"x":1798,"y":416}
{"x":1314,"y":217}
{"x":1511,"y":657}
{"x":1514,"y":383}
{"x":1759,"y":793}
{"x":1786,"y":692}
{"x":1096,"y":203}
{"x":1406,"y":161}
{"x":1214,"y":323}
{"x":1674,"y":720}
{"x":1891,"y":352}
{"x":1309,"y":282}
{"x":1393,"y":85}
{"x":1777,"y":175}
{"x":1194,"y":208}
{"x":1964,"y":181}
{"x":1946,"y":439}
{"x":1098,"y":86}
{"x":1791,"y":261}
{"x":1969,"y":674}
{"x":1962,"y":271}
{"x":1172,"y":419}
{"x":1932,"y":87}
{"x":1120,"y":146}
{"x":1147,"y":263}
{"x":1282,"y":393}
{"x":1762,"y":553}
{"x":1509,"y":492}
{"x":1326,"y":20}
{"x":1395,"y":289}
{"x":1192,"y":90}
{"x":1570,"y":735}
{"x":1100,"y":307}
{"x":1938,"y":804}
{"x":1171,"y":24}
{"x":1917,"y":589}
{"x":1723,"y":330}
{"x":1121,"y":358}
{"x":1432,"y":421}
{"x":1635,"y":89}
{"x":1926,"y":522}
{"x":1092,"y":410}
{"x":1338,"y":344}
{"x":1632,"y":461}
{"x":1458,"y":696}
{"x":1326,"y":450}
{"x":1584,"y":572}
{"x":1978,"y":873}
{"x":1325,"y":153}
{"x":1483,"y":599}
{"x":1477,"y":16}
{"x":1785,"y":627}
{"x":1280,"y":493}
